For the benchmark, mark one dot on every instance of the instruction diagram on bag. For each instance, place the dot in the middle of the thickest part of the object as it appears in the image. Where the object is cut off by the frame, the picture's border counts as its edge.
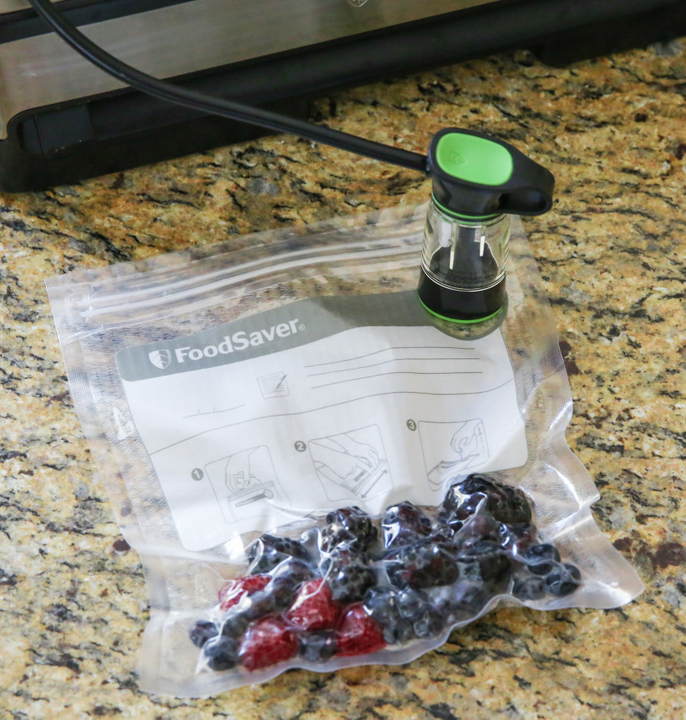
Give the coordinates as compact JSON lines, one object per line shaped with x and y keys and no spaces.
{"x":451,"y":448}
{"x":352,"y":465}
{"x":245,"y":484}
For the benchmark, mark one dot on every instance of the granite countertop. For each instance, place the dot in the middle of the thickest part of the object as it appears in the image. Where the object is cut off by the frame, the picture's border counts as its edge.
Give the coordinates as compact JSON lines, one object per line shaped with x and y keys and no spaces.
{"x":612,"y":253}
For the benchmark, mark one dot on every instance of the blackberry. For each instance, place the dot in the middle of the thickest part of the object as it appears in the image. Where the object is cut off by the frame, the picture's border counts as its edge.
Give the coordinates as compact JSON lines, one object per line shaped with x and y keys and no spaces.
{"x":269,"y":551}
{"x":517,"y":538}
{"x":221,"y":654}
{"x":430,"y":624}
{"x":317,"y":646}
{"x":541,"y":559}
{"x":563,"y":580}
{"x":482,"y":526}
{"x":444,"y":534}
{"x":404,"y":524}
{"x":505,"y":503}
{"x":293,"y":571}
{"x":350,"y":527}
{"x":349,"y":576}
{"x":493,"y":564}
{"x":201,"y":632}
{"x":529,"y":587}
{"x":421,"y":565}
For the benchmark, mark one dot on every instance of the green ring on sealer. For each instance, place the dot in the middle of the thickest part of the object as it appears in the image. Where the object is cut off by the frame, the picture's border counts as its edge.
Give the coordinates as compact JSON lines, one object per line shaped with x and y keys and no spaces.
{"x":474,"y":218}
{"x":455,"y":320}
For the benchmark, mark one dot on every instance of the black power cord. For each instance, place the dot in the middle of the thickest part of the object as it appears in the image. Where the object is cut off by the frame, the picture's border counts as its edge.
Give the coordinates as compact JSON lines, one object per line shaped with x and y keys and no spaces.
{"x":220,"y":106}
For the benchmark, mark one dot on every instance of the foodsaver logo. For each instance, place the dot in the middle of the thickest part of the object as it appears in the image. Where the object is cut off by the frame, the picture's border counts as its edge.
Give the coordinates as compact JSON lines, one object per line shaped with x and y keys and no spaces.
{"x":160,"y":358}
{"x":237,"y":342}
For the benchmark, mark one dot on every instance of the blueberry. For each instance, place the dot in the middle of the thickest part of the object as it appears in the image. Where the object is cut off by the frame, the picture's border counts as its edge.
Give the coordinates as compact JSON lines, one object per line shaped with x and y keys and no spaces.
{"x":283,"y":589}
{"x":421,"y":565}
{"x":563,"y":580}
{"x":541,"y":559}
{"x":348,"y":526}
{"x":202,"y":631}
{"x":412,"y":603}
{"x":529,"y":587}
{"x":400,"y":633}
{"x":403,"y":524}
{"x":235,"y":625}
{"x":258,"y":605}
{"x":460,"y":602}
{"x":267,"y":552}
{"x":430,"y":624}
{"x":505,"y":503}
{"x":382,"y":605}
{"x":316,"y":646}
{"x":221,"y":654}
{"x":349,"y":576}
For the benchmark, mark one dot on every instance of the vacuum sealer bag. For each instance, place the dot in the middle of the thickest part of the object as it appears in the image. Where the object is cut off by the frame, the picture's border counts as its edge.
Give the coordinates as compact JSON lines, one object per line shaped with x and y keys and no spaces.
{"x":316,"y":471}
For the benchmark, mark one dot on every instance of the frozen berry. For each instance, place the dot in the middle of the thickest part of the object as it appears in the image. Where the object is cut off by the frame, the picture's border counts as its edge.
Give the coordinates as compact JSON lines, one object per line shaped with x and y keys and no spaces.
{"x":429,"y":624}
{"x":404,"y":524}
{"x":481,"y":526}
{"x":412,"y":603}
{"x":295,"y":571}
{"x":267,"y":552}
{"x":358,"y":633}
{"x":421,"y":565}
{"x":235,"y":625}
{"x":201,"y":632}
{"x":505,"y":503}
{"x":517,"y":538}
{"x":563,"y":580}
{"x":276,"y":596}
{"x":267,"y":642}
{"x":317,"y":646}
{"x":444,"y":534}
{"x":382,"y":605}
{"x":221,"y":654}
{"x":349,"y":576}
{"x":234,"y":590}
{"x":314,"y":607}
{"x":529,"y":587}
{"x":541,"y":559}
{"x":494,"y":565}
{"x":349,"y":526}
{"x":462,"y":601}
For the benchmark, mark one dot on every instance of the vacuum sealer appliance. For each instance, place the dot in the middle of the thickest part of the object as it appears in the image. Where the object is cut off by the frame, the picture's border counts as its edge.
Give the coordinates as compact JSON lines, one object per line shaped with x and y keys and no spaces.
{"x":62,"y":119}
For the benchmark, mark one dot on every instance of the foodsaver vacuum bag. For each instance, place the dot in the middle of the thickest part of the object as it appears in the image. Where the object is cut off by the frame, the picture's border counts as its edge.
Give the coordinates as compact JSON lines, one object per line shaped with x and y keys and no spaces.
{"x":315,"y":470}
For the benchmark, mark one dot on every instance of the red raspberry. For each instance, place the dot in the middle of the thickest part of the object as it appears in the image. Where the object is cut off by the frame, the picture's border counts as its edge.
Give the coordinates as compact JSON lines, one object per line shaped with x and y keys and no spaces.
{"x":314,"y":608}
{"x":358,"y":633}
{"x":266,"y":643}
{"x":234,"y":590}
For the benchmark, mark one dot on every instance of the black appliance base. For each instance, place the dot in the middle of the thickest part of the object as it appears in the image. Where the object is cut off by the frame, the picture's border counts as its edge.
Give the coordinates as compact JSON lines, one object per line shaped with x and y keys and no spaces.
{"x":96,"y":135}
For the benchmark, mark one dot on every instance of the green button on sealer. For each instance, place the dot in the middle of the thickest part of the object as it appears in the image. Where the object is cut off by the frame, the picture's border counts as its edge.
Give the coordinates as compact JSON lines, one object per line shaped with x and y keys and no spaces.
{"x":474,"y":159}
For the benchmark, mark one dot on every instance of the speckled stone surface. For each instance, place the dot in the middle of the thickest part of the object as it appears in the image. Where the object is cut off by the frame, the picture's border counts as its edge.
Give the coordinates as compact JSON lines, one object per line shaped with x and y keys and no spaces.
{"x":612,"y":253}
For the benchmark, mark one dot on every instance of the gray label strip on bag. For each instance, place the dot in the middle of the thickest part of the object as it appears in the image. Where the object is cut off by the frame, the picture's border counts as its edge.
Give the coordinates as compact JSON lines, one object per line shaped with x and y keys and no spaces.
{"x":321,"y":403}
{"x":273,"y":331}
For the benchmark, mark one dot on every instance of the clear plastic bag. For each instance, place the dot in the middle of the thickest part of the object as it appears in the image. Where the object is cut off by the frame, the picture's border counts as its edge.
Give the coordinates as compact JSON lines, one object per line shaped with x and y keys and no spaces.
{"x":286,"y":385}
